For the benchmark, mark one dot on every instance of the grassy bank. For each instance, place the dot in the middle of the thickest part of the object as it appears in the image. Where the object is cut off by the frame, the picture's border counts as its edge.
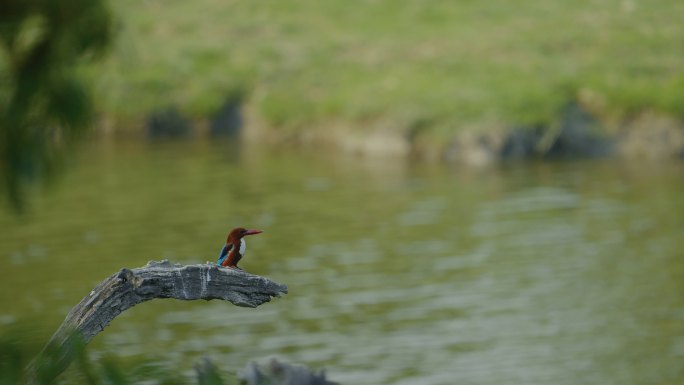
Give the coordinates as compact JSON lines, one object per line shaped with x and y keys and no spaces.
{"x":440,"y":65}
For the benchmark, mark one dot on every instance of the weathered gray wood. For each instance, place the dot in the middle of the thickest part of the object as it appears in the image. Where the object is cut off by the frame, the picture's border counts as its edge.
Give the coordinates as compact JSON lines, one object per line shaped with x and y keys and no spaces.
{"x":130,"y":287}
{"x":275,"y":372}
{"x":272,"y":372}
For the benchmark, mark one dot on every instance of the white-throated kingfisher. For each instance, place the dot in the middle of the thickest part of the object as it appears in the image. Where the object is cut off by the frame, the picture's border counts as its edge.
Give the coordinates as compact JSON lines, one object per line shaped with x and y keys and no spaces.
{"x":235,"y":247}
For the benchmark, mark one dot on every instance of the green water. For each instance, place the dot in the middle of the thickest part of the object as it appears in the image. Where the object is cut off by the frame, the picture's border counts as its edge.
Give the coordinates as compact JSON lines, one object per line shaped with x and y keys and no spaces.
{"x":561,"y":273}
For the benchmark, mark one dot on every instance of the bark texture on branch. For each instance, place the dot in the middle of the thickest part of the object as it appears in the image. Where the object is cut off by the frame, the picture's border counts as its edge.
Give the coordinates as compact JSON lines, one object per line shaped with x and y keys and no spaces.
{"x":129,"y":287}
{"x":272,"y":372}
{"x":275,"y":372}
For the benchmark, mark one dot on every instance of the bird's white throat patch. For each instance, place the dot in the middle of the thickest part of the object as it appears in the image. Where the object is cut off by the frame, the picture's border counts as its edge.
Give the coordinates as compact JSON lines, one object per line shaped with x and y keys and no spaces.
{"x":243,"y":247}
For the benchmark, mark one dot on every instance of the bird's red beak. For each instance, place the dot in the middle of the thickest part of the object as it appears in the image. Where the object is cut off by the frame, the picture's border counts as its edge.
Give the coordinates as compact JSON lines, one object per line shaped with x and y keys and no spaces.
{"x":252,"y":232}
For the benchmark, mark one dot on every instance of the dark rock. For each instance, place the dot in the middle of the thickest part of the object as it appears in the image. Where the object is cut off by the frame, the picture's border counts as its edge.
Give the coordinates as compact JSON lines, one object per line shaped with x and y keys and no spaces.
{"x":168,"y":123}
{"x":521,"y":143}
{"x":577,"y":136}
{"x":228,"y":120}
{"x":275,"y":372}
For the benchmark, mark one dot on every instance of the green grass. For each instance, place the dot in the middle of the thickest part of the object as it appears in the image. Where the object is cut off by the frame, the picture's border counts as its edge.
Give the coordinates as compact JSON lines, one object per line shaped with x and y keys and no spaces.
{"x":455,"y":64}
{"x":17,"y":357}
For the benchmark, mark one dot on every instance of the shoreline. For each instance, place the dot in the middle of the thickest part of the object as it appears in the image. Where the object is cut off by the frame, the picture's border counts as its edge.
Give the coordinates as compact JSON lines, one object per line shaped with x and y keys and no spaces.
{"x":575,"y":134}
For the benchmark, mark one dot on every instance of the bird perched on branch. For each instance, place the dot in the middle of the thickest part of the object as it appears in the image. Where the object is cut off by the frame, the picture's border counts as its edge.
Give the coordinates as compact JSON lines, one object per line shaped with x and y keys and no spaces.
{"x":235,"y":247}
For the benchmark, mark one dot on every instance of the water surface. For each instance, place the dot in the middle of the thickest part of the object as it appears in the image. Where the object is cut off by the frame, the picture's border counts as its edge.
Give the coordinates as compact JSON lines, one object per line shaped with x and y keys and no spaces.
{"x":560,"y":273}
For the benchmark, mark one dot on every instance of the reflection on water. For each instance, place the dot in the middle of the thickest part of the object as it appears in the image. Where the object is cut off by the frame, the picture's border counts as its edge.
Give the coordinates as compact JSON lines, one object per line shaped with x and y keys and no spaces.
{"x":398,"y":274}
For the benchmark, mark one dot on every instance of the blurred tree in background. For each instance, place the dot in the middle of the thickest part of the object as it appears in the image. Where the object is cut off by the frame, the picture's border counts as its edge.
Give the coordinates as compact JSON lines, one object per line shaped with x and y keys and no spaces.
{"x":44,"y":107}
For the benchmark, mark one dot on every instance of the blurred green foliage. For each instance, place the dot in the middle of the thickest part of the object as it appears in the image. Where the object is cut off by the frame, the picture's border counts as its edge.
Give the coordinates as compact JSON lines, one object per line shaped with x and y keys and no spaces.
{"x":15,"y":368}
{"x":44,"y":107}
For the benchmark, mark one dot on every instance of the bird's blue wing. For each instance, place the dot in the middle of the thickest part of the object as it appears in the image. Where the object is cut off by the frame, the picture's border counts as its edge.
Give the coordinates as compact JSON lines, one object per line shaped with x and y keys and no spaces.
{"x":224,"y":254}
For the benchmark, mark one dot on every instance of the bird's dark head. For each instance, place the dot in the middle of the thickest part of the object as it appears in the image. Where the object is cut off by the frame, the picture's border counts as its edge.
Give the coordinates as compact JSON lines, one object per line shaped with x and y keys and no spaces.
{"x":236,"y":234}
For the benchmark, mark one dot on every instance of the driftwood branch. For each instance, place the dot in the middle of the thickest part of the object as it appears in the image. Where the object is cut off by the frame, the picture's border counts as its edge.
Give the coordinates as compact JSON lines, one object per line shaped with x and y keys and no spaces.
{"x":273,"y":372}
{"x":130,"y":287}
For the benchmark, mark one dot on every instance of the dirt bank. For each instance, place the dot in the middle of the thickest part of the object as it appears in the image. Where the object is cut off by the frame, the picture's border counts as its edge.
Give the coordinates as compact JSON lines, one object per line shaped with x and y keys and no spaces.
{"x":575,"y":134}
